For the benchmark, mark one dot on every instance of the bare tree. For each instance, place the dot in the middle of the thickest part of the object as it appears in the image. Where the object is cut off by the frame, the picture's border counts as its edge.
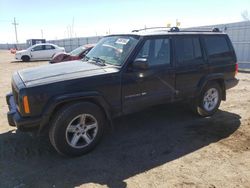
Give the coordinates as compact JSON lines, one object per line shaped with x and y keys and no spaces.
{"x":245,"y":15}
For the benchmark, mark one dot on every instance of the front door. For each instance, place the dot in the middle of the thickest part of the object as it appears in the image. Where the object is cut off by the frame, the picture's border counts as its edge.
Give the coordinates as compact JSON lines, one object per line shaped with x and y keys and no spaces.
{"x":38,"y":52}
{"x":151,"y":86}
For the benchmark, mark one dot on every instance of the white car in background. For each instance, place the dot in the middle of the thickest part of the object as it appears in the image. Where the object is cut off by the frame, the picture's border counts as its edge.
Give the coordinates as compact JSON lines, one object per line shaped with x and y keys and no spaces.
{"x":43,"y":51}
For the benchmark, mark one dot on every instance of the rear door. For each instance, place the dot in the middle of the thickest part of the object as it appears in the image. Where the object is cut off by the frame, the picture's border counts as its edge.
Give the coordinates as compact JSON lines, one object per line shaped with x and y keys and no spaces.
{"x":155,"y":85}
{"x":190,"y":64}
{"x":49,"y":51}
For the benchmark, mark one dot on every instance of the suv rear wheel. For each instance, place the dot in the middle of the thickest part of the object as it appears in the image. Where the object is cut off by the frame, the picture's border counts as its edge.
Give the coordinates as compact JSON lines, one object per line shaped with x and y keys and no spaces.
{"x":209,"y":100}
{"x":77,"y":128}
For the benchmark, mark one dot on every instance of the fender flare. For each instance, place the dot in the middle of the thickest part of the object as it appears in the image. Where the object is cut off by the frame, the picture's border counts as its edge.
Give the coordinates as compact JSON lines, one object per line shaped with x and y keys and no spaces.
{"x":57,"y":101}
{"x":212,"y":77}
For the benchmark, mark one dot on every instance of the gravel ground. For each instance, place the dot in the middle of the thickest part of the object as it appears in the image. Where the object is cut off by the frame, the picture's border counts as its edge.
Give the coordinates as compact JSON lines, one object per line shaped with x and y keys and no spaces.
{"x":165,"y":146}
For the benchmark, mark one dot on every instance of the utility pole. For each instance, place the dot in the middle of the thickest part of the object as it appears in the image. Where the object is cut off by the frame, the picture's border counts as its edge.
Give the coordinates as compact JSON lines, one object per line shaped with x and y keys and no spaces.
{"x":42,"y":33}
{"x":68,"y":31}
{"x":72,"y":27}
{"x":15,"y":24}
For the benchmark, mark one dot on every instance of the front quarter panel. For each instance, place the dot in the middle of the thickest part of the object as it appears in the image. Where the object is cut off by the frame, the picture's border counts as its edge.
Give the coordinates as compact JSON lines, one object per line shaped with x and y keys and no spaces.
{"x":44,"y":97}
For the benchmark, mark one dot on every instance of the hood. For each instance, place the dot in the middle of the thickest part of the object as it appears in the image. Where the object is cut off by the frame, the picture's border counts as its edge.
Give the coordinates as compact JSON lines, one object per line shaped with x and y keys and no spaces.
{"x":62,"y":71}
{"x":60,"y":55}
{"x":20,"y":51}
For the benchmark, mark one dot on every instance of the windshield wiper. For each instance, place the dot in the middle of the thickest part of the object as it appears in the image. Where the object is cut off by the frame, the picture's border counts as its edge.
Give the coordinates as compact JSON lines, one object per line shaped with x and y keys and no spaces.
{"x":99,"y":61}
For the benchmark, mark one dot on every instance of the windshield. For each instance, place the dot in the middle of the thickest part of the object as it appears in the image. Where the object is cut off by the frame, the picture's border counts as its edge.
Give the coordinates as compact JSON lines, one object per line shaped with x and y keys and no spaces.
{"x":77,"y":51}
{"x":113,"y":50}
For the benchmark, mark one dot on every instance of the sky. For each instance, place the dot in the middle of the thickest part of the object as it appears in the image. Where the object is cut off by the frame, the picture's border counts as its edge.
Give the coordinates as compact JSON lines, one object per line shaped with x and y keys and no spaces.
{"x":57,"y":19}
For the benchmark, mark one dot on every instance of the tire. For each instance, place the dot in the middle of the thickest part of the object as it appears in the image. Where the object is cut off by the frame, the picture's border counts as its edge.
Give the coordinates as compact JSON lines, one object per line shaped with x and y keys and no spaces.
{"x":77,"y":128}
{"x":25,"y":58}
{"x":209,"y":100}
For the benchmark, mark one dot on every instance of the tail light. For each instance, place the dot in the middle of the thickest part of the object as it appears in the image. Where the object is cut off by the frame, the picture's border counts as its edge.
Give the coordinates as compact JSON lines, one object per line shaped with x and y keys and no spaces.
{"x":236,"y":69}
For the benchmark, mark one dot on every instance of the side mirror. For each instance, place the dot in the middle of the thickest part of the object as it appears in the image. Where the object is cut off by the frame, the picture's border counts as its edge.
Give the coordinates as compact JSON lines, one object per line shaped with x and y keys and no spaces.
{"x":32,"y":49}
{"x":140,"y":63}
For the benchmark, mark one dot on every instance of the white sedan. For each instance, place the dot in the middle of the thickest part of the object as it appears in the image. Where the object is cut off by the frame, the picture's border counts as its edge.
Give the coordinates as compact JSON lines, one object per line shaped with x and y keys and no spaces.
{"x":43,"y":51}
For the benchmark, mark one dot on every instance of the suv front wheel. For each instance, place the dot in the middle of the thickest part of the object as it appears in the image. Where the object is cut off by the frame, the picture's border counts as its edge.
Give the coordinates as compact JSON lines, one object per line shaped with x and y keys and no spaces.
{"x":77,"y":128}
{"x":209,"y":100}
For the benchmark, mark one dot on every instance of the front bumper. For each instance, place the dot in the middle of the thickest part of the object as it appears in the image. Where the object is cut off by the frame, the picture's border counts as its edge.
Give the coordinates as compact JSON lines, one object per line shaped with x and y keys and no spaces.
{"x":16,"y":120}
{"x":18,"y":57}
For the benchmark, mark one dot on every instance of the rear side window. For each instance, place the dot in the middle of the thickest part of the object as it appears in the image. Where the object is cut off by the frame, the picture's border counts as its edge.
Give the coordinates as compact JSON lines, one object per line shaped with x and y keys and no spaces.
{"x":187,"y":49}
{"x":216,"y":45}
{"x":217,"y":48}
{"x":49,"y":47}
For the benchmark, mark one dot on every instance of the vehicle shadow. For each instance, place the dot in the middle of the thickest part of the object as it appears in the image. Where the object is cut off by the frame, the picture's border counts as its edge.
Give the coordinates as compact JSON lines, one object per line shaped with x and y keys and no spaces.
{"x":139,"y":142}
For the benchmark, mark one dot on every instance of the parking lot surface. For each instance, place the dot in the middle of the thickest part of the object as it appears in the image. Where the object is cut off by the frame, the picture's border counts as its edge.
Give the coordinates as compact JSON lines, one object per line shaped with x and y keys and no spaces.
{"x":164,"y":146}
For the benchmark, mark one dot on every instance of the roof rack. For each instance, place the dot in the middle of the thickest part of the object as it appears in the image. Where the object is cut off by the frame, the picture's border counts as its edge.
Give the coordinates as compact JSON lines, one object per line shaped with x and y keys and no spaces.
{"x":176,"y":29}
{"x":147,"y":28}
{"x":212,"y":30}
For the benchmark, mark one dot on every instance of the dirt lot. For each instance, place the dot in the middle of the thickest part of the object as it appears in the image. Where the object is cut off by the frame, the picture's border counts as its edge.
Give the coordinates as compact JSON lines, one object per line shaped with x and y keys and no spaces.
{"x":164,"y":146}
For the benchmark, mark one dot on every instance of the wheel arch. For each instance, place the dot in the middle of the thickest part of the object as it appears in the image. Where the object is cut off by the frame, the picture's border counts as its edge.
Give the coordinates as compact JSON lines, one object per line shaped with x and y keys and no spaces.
{"x":219,"y":78}
{"x":59,"y":102}
{"x":25,"y":55}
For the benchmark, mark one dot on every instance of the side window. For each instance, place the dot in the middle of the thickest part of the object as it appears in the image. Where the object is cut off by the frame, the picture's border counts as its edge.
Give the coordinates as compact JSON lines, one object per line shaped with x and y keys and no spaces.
{"x":187,"y":49}
{"x":157,"y":51}
{"x":144,"y":52}
{"x":49,"y":47}
{"x":38,"y":48}
{"x":217,"y":47}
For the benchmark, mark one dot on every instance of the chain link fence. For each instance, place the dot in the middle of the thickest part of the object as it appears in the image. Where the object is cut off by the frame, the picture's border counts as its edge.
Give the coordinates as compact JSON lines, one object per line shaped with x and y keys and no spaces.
{"x":68,"y":44}
{"x":71,"y":44}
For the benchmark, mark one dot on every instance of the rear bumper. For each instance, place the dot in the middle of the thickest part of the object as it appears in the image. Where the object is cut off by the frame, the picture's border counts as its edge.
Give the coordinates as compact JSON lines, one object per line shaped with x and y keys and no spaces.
{"x":231,"y":83}
{"x":16,"y":120}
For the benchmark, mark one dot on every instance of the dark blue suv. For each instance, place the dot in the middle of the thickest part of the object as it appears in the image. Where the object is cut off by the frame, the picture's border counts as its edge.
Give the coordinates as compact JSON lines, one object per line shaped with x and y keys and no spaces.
{"x":120,"y":75}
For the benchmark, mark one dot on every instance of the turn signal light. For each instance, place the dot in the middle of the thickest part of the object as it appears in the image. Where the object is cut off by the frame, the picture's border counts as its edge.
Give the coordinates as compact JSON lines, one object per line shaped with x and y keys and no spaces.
{"x":26,"y":105}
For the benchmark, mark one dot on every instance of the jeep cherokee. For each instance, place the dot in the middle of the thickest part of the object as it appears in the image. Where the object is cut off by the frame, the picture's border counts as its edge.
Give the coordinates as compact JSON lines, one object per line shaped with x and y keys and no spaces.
{"x":120,"y":75}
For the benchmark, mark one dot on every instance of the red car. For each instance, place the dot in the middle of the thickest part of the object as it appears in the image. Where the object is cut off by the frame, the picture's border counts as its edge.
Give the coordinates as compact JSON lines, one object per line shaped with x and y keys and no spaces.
{"x":76,"y":54}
